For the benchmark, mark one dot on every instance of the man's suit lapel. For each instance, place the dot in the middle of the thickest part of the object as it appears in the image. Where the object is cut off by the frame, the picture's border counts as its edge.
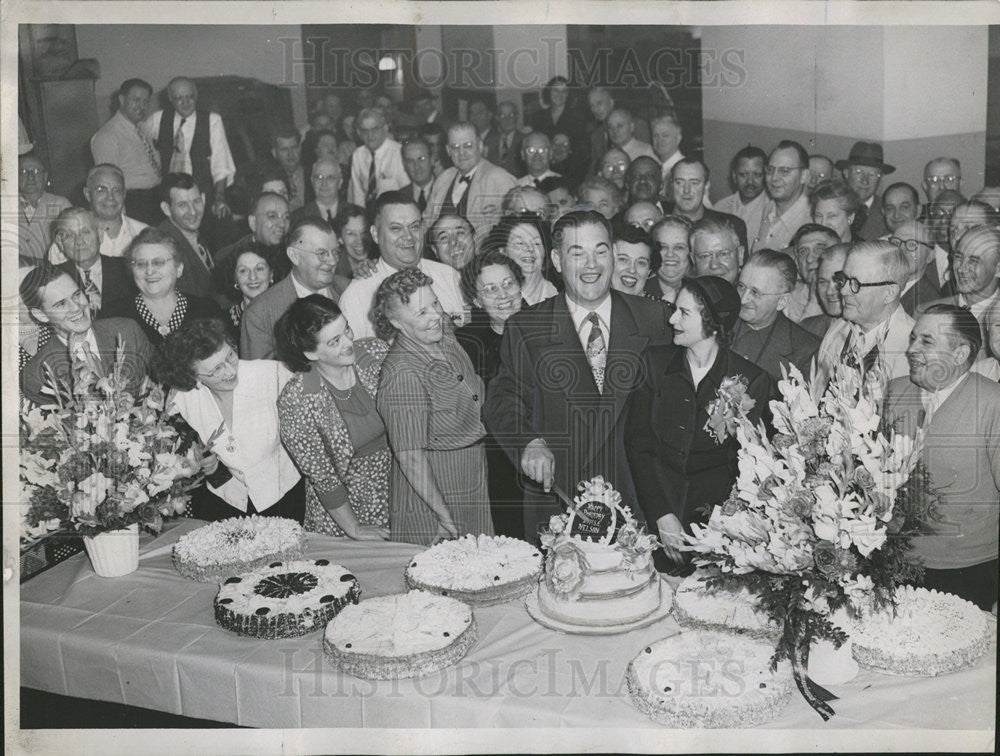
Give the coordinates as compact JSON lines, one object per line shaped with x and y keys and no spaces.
{"x":624,"y":365}
{"x":567,"y":352}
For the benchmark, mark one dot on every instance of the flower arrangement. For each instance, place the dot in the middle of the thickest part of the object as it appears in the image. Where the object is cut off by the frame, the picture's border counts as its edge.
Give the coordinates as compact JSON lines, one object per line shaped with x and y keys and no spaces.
{"x":102,"y":458}
{"x":595,"y":515}
{"x":822,"y":515}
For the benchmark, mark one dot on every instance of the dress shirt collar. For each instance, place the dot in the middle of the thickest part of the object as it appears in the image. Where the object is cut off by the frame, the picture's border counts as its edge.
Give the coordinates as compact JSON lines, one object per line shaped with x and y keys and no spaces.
{"x":942,"y":263}
{"x":579,"y":315}
{"x":979,"y":309}
{"x":301,"y":290}
{"x":932,"y":400}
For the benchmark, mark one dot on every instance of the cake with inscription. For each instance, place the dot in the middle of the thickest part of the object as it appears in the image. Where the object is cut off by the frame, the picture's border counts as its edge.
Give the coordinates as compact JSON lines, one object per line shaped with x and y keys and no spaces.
{"x":285,"y":599}
{"x":403,"y":635}
{"x":598,"y":566}
{"x":928,"y":634}
{"x":229,"y":547}
{"x":479,"y":570}
{"x":722,"y":608}
{"x":707,"y":678}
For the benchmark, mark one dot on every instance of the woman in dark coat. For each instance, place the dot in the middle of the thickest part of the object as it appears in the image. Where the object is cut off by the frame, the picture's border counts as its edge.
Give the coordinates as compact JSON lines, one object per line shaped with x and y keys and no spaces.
{"x":680,"y":471}
{"x":492,"y":283}
{"x":560,"y":115}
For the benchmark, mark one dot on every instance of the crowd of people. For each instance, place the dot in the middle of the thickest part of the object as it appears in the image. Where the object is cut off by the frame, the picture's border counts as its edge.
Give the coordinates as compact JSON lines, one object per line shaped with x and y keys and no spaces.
{"x":418,"y":329}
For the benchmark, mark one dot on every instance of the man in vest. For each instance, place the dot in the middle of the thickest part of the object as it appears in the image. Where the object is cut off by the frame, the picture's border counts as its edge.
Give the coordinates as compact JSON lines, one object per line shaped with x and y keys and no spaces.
{"x":192,"y":140}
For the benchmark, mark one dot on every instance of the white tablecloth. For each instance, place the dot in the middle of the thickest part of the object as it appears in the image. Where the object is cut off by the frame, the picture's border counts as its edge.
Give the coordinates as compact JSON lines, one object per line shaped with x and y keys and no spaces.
{"x":149,"y":639}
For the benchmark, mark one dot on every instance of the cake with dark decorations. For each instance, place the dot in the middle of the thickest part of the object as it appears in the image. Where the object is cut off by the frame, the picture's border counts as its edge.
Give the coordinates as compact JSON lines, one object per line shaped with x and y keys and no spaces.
{"x":399,"y":636}
{"x":479,"y":570}
{"x":239,"y":544}
{"x":706,"y":678}
{"x":928,"y":634}
{"x":599,"y":566}
{"x":285,"y":599}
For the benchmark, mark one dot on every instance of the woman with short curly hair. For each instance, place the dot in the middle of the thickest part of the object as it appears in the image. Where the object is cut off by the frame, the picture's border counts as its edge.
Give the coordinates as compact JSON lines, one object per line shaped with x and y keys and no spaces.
{"x":329,"y":423}
{"x":230,"y":403}
{"x":431,"y":401}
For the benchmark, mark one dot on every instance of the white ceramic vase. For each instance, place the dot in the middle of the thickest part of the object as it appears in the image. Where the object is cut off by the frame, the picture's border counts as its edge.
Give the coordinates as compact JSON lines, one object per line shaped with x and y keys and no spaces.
{"x":829,"y":665}
{"x":114,"y":553}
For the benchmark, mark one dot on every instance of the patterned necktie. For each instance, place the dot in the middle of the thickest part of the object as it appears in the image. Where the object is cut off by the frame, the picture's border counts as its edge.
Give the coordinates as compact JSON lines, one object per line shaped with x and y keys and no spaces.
{"x":597,"y":351}
{"x":177,"y":159}
{"x":92,"y":292}
{"x":205,"y":257}
{"x":372,"y":182}
{"x":151,"y":153}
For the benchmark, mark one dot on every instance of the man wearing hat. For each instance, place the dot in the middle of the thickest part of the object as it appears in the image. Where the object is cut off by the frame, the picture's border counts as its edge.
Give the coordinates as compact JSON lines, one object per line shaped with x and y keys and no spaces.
{"x":680,"y":471}
{"x":863,"y":170}
{"x":567,"y":367}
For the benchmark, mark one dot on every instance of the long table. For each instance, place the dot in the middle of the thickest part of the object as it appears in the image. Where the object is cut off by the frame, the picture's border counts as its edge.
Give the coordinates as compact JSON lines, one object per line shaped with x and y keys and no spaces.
{"x":149,"y":639}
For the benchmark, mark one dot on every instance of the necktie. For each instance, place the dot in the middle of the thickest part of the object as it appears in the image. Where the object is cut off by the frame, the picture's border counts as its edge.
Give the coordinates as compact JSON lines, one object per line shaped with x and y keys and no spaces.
{"x":92,"y":292}
{"x":597,"y":351}
{"x":463,"y":196}
{"x":177,"y":159}
{"x":151,"y":153}
{"x":205,"y":257}
{"x":372,"y":182}
{"x":329,"y":216}
{"x":849,"y":355}
{"x":538,"y":181}
{"x":422,"y":201}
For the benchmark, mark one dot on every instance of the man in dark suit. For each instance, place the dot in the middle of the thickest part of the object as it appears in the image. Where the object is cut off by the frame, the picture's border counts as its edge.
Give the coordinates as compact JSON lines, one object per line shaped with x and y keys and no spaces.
{"x":502,"y":145}
{"x":52,"y":297}
{"x":268,"y":221}
{"x":925,"y":284}
{"x":105,"y":280}
{"x":863,"y":171}
{"x":184,"y":205}
{"x":312,"y":250}
{"x":959,"y":411}
{"x":567,"y":366}
{"x":763,"y":334}
{"x":420,"y":169}
{"x":686,"y":196}
{"x":327,"y":180}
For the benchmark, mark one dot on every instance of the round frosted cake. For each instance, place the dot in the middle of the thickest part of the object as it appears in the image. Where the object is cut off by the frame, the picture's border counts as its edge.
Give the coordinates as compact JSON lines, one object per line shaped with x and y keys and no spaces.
{"x":220,"y":549}
{"x":719,"y":608}
{"x":709,"y":679}
{"x":398,"y":636}
{"x":285,"y":599}
{"x":479,"y":570}
{"x":930,"y":634}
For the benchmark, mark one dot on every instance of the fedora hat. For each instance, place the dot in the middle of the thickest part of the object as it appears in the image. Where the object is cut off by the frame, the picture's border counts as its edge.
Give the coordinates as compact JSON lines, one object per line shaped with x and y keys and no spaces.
{"x":866,"y":153}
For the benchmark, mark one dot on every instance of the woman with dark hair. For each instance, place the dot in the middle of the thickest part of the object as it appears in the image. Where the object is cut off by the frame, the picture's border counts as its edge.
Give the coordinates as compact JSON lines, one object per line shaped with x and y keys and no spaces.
{"x":249,"y":275}
{"x":230,"y":404}
{"x":680,"y":471}
{"x":328,"y":421}
{"x":525,"y":238}
{"x":559,"y":115}
{"x":359,"y":250}
{"x":431,"y":400}
{"x":159,"y":308}
{"x":492,"y":283}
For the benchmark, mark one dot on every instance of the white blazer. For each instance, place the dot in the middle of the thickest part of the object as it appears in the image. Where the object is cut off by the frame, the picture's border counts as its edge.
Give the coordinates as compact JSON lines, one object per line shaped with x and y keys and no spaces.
{"x":891,"y":353}
{"x":261,"y":468}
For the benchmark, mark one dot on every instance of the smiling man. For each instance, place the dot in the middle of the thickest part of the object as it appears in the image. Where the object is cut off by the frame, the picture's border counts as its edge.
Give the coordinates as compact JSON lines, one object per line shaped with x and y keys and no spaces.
{"x":875,"y":329}
{"x":377,"y":163}
{"x":398,"y":231}
{"x":54,"y":298}
{"x":786,"y":178}
{"x":747,"y":175}
{"x":269,"y":222}
{"x":183,"y":202}
{"x":105,"y":192}
{"x":473,"y":187}
{"x":959,"y":411}
{"x":559,"y":432}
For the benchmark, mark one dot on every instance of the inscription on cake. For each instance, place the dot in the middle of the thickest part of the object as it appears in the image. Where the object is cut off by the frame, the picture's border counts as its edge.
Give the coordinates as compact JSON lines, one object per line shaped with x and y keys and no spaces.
{"x":594,"y":520}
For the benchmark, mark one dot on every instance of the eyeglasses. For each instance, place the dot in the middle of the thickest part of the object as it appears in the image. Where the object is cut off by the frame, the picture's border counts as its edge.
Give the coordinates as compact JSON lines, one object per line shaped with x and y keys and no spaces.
{"x":323,"y":255}
{"x":462,"y":146}
{"x":840,"y":280}
{"x":866,"y":173}
{"x":536,"y":150}
{"x":718,"y":255}
{"x":321,"y":178}
{"x":492,"y":291}
{"x":219,"y":370}
{"x":156,"y":264}
{"x":937,"y":180}
{"x":115,"y":191}
{"x":33,"y":172}
{"x":910,"y":245}
{"x":756,"y":293}
{"x":615,"y":167}
{"x":782,"y":170}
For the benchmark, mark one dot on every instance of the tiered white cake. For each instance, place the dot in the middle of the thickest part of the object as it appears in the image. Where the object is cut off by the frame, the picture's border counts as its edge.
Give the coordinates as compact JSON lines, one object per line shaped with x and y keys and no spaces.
{"x":599,"y":568}
{"x":479,"y":570}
